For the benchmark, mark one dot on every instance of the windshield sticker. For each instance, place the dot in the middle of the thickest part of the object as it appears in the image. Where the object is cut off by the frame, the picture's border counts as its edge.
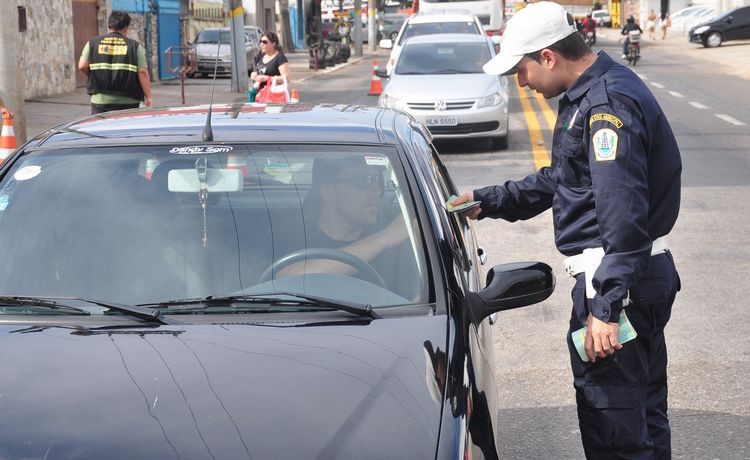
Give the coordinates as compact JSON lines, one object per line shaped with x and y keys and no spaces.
{"x":4,"y":199}
{"x":27,"y":172}
{"x":376,"y":161}
{"x":275,"y":168}
{"x":201,"y":149}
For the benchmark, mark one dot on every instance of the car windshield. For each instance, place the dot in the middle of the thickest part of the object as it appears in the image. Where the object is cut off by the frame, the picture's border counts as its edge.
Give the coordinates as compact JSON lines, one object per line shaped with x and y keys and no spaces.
{"x":430,"y":28}
{"x":727,"y":14}
{"x":142,"y":225}
{"x":213,"y":36}
{"x":442,"y":58}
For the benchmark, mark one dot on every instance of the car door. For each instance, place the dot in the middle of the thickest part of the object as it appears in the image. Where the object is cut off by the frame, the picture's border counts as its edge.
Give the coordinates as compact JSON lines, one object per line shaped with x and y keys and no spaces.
{"x":739,"y":27}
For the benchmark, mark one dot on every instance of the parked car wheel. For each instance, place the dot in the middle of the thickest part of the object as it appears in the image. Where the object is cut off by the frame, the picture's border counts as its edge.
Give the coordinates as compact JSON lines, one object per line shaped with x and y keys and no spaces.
{"x":713,"y":40}
{"x":500,"y":143}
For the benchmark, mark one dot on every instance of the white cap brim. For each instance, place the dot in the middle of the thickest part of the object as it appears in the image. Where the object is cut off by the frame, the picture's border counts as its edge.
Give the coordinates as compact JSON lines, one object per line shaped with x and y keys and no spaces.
{"x":501,"y":64}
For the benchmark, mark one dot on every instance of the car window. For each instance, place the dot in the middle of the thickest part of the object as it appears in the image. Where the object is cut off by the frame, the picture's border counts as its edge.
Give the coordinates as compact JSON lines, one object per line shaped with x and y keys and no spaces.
{"x":252,"y":34}
{"x":442,"y":58}
{"x":462,"y":27}
{"x":213,"y":36}
{"x":131,"y":225}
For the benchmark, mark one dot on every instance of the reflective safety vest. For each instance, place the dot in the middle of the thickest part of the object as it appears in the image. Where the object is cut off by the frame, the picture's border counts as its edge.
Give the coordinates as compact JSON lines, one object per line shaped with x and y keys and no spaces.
{"x":113,"y":66}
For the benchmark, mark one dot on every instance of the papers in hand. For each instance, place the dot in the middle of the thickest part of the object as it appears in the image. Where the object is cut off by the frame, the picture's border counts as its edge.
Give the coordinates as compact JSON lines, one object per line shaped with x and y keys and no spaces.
{"x":460,"y":207}
{"x":625,"y":333}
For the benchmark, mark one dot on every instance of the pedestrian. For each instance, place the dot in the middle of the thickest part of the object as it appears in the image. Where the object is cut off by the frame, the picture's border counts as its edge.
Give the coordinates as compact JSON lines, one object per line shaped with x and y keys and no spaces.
{"x":651,"y":25}
{"x":666,"y":23}
{"x":5,"y":111}
{"x":116,"y":68}
{"x":270,"y":62}
{"x":614,"y":189}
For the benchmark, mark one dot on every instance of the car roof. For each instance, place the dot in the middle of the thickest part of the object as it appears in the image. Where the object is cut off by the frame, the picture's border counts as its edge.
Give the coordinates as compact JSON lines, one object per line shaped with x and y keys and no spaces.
{"x":441,"y":16}
{"x":233,"y":123}
{"x":447,"y":38}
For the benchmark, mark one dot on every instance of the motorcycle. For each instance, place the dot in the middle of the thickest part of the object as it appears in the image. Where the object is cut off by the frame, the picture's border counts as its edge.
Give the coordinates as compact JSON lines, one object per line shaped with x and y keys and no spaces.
{"x":634,"y":47}
{"x":590,"y":38}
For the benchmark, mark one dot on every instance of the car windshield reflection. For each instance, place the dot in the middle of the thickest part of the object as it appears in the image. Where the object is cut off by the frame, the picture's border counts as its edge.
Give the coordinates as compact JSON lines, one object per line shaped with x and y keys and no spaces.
{"x":144,"y":225}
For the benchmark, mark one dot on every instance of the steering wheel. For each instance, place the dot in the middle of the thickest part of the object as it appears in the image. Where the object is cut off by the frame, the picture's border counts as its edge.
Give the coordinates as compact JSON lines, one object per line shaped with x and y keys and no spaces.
{"x":369,"y":273}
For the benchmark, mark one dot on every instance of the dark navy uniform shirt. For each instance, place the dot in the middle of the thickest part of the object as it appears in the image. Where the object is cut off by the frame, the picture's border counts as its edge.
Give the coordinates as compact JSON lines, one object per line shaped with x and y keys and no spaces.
{"x":614,"y":179}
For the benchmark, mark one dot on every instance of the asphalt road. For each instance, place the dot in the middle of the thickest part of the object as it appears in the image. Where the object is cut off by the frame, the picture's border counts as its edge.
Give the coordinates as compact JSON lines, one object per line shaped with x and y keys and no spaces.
{"x":708,"y":339}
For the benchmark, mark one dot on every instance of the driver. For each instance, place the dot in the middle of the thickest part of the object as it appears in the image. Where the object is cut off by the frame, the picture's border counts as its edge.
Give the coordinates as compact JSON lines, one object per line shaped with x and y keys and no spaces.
{"x":343,"y":211}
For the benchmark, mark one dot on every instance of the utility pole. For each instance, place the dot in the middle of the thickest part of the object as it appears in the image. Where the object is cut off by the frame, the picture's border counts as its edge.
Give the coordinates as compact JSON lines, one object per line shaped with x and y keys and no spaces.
{"x":11,"y":86}
{"x":357,"y":27}
{"x":239,"y":56}
{"x":372,"y":8}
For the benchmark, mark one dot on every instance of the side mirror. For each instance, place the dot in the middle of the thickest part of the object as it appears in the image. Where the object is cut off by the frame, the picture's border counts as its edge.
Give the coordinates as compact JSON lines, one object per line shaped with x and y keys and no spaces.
{"x":382,"y":73}
{"x":386,"y":43}
{"x":512,"y":286}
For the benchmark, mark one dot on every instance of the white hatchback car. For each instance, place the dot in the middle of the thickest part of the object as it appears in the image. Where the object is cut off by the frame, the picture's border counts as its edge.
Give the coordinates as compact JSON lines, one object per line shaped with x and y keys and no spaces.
{"x":438,"y":79}
{"x":432,"y":22}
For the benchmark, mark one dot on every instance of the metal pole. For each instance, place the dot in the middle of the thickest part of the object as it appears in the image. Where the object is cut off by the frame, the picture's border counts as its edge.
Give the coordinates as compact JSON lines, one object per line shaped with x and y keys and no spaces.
{"x":11,"y":80}
{"x":357,"y":27}
{"x":239,"y":56}
{"x":372,"y":6}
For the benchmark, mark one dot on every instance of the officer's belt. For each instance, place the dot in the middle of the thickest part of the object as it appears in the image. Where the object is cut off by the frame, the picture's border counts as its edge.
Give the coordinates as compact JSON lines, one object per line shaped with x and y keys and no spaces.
{"x":588,"y":261}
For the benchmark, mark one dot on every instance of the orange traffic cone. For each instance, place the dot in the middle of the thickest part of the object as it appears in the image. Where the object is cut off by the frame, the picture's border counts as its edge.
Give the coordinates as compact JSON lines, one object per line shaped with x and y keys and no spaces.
{"x":295,"y":96}
{"x":7,"y":139}
{"x":375,"y":87}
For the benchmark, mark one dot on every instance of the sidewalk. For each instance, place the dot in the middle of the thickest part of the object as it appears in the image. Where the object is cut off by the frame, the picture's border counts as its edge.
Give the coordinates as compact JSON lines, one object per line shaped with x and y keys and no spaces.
{"x":730,"y":58}
{"x":46,"y":112}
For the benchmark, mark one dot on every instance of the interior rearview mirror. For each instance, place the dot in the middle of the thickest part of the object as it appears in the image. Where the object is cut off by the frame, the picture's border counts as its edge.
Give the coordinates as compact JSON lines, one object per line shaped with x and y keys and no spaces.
{"x":217,"y":180}
{"x":386,"y":43}
{"x":512,"y":286}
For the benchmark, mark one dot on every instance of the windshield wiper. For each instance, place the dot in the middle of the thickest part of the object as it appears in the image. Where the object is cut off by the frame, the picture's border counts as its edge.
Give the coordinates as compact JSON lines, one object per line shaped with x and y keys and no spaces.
{"x":276,"y":298}
{"x":148,"y":314}
{"x":452,"y":71}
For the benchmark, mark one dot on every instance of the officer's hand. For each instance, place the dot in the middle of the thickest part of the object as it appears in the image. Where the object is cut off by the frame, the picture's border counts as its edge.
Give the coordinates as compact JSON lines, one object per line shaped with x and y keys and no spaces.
{"x":147,"y":101}
{"x":463,"y":198}
{"x":601,"y":338}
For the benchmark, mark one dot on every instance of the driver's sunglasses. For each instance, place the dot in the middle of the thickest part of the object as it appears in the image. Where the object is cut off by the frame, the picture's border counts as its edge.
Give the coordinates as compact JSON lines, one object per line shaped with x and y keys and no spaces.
{"x":363,"y":181}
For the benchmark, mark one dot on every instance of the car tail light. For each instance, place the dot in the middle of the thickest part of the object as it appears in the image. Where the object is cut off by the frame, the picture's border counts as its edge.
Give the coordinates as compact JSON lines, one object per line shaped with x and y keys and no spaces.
{"x":497,"y":32}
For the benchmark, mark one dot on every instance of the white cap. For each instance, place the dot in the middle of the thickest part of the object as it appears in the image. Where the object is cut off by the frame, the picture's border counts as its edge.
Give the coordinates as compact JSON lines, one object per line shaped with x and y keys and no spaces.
{"x":531,"y":29}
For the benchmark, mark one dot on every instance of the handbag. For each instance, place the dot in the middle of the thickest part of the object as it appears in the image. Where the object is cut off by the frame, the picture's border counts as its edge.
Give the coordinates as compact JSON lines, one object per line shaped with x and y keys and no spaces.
{"x":279,"y":91}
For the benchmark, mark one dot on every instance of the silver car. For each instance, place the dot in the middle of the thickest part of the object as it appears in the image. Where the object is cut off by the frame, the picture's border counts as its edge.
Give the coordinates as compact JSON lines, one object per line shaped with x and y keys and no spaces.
{"x":209,"y":42}
{"x":438,"y":79}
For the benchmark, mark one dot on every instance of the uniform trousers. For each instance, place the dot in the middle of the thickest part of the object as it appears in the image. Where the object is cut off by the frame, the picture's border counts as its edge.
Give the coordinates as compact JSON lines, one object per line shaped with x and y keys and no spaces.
{"x":622,"y":399}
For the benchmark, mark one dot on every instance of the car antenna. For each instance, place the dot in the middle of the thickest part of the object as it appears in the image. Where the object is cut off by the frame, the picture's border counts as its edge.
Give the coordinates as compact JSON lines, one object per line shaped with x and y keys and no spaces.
{"x":208,"y":133}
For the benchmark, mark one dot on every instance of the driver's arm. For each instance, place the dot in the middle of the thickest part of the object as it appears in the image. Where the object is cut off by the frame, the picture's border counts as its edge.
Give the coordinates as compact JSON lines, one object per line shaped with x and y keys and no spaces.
{"x":365,"y":249}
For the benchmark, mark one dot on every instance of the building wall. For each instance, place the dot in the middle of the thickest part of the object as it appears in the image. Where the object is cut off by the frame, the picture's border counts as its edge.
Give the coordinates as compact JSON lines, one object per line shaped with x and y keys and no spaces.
{"x":46,"y":48}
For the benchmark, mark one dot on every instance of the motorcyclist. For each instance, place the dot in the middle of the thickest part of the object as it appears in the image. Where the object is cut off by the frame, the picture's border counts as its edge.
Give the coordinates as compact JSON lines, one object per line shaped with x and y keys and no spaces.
{"x":589,"y":25}
{"x":629,"y":26}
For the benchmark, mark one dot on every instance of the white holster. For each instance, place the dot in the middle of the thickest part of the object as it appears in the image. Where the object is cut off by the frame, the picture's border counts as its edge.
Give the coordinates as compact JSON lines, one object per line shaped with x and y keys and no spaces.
{"x":588,"y":261}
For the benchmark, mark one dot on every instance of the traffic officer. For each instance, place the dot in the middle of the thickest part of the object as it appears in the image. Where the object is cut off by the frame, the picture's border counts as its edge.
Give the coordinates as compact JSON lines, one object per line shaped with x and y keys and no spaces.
{"x":614,"y":189}
{"x":116,"y":68}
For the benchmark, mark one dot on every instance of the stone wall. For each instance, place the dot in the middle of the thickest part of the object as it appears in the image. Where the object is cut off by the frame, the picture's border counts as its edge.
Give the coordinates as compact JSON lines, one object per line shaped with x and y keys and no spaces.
{"x":46,"y":48}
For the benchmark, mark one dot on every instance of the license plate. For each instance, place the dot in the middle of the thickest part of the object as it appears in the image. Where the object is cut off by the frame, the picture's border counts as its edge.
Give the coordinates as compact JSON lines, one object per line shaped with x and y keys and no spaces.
{"x":441,"y":121}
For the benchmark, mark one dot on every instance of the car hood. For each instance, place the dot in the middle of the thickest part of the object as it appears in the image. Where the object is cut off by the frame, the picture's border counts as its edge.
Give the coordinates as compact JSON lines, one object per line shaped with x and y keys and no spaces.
{"x":282,"y":390}
{"x":208,"y":50}
{"x":448,"y":87}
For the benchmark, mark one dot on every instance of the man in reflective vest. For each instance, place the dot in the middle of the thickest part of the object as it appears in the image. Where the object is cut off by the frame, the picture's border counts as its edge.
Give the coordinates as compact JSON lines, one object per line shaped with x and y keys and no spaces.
{"x":116,"y":68}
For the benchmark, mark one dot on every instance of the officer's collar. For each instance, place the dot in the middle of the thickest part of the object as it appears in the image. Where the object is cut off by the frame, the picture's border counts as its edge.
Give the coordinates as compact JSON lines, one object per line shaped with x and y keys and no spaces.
{"x":589,"y":76}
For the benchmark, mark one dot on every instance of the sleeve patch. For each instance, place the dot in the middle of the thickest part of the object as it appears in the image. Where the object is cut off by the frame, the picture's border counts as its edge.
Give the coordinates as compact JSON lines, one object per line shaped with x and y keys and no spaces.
{"x":606,"y":117}
{"x":605,"y":144}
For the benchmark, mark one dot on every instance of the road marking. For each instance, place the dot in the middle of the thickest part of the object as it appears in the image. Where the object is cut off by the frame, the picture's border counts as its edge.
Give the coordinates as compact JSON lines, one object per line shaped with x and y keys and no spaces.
{"x":658,"y":85}
{"x":547,"y":112}
{"x":541,"y":158}
{"x":642,"y":77}
{"x":729,"y":119}
{"x":675,"y":94}
{"x":698,"y":105}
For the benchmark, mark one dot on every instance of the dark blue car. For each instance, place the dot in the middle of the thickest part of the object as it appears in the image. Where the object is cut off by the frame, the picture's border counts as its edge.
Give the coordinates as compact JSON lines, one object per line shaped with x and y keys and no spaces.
{"x":292,"y":288}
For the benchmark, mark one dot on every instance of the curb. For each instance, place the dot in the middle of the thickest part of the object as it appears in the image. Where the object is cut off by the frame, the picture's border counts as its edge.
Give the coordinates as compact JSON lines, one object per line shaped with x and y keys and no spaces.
{"x":331,"y":69}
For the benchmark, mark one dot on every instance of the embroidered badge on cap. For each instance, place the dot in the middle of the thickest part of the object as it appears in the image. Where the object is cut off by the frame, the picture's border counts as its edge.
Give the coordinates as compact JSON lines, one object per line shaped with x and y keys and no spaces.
{"x":605,"y":145}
